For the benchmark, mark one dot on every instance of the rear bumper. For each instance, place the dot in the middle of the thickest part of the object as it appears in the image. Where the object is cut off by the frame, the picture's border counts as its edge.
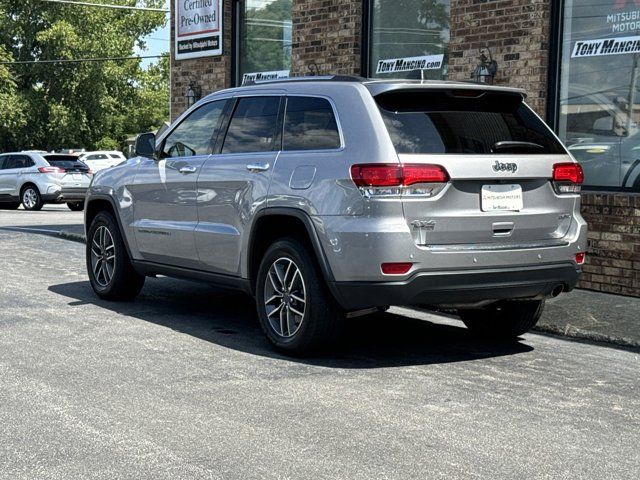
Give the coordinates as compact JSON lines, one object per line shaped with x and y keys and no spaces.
{"x":458,"y":287}
{"x":66,"y":195}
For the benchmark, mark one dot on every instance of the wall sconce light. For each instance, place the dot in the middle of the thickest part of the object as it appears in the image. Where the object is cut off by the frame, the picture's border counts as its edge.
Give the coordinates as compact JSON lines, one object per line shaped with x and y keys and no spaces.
{"x":486,"y":69}
{"x":194,"y":92}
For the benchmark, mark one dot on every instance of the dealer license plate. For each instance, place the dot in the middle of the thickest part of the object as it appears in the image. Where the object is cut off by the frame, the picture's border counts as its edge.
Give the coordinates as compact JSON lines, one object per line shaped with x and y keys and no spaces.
{"x":501,"y":197}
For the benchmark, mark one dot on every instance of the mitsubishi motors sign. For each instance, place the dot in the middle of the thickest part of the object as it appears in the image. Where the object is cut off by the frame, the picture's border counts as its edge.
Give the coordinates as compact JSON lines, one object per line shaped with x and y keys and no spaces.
{"x":198,"y":28}
{"x":612,"y":19}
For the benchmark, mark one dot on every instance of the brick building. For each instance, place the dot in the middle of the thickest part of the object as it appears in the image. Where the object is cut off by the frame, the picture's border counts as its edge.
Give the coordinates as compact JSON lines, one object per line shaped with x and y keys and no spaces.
{"x":579,"y":61}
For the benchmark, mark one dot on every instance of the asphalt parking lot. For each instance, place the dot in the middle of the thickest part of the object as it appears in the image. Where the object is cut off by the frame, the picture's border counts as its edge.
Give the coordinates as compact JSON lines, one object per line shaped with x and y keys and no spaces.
{"x":181,"y":383}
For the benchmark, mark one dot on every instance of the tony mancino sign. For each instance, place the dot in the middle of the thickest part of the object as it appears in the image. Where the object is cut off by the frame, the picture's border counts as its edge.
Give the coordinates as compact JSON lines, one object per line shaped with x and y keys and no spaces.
{"x":606,"y":46}
{"x":426,"y":62}
{"x":198,"y":28}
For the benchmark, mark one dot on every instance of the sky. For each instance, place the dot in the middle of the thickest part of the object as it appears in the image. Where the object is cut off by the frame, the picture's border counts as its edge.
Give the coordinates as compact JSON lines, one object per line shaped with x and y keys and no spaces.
{"x":157,"y":42}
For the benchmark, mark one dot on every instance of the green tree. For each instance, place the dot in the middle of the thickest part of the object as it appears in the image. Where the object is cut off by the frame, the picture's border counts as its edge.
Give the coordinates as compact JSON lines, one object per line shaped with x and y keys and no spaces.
{"x":12,"y":116}
{"x":80,"y":104}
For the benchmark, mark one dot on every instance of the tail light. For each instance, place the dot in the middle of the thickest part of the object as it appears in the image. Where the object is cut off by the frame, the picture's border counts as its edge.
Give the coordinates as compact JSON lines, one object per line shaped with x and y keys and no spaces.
{"x":51,"y":170}
{"x":567,"y":177}
{"x":376,"y":179}
{"x":580,"y":258}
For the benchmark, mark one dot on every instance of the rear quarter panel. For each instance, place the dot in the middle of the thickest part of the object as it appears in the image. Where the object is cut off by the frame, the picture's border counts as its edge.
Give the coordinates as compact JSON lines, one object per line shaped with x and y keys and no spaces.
{"x":329,"y":190}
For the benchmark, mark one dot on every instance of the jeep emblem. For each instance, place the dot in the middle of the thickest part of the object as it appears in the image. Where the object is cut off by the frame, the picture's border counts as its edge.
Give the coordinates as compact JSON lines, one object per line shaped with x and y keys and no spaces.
{"x":505,"y":167}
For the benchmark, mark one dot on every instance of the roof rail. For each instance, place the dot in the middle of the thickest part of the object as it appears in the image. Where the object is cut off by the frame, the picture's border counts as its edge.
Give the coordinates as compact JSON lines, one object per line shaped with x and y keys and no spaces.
{"x":319,"y":78}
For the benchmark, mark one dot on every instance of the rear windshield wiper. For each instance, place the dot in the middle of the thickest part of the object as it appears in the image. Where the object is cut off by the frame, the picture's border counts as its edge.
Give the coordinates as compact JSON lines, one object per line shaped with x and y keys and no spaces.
{"x":516,"y":146}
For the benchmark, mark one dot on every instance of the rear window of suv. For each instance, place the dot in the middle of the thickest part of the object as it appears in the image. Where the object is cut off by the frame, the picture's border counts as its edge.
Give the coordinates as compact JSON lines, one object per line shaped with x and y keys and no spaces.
{"x":464,"y":122}
{"x":67,"y":162}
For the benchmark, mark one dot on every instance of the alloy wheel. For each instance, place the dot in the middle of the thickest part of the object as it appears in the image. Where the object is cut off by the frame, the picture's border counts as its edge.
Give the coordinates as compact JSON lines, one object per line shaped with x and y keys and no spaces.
{"x":285,"y":297}
{"x":103,"y":256}
{"x":29,"y":198}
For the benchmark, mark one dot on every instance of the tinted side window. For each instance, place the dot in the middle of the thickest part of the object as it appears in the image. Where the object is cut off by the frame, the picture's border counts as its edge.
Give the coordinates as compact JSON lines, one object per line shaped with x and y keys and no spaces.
{"x":18,"y":161}
{"x":2,"y":162}
{"x":253,"y":126}
{"x":195,"y":134}
{"x":310,"y":124}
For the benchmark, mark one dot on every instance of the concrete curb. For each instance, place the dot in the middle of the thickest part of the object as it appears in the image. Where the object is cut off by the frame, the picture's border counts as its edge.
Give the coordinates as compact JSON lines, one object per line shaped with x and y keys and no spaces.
{"x":579,"y":334}
{"x":569,"y":331}
{"x":76,"y":237}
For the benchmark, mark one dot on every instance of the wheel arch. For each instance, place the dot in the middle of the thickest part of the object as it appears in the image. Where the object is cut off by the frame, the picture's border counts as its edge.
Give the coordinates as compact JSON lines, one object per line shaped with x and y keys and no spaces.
{"x":273,"y":223}
{"x":95,"y":204}
{"x":26,"y":184}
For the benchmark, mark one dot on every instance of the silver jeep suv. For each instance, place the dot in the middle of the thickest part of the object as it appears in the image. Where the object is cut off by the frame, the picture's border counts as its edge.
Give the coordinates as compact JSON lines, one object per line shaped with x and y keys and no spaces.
{"x":330,"y":197}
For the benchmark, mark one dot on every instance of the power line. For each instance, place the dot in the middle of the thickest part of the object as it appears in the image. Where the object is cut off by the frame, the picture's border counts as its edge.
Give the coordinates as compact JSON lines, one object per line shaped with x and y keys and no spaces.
{"x":66,"y":60}
{"x":104,"y":5}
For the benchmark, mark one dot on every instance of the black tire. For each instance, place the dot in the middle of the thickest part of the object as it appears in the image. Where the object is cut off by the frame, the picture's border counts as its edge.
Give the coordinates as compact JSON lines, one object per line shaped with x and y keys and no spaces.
{"x":75,"y":206}
{"x":322,"y":321}
{"x":9,"y":205}
{"x":31,"y":198}
{"x":505,"y":321}
{"x":125,"y":283}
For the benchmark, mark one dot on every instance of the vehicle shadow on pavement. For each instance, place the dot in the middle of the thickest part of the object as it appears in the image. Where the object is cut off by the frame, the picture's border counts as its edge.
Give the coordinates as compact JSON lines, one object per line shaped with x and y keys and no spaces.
{"x":229,"y":319}
{"x":45,"y":229}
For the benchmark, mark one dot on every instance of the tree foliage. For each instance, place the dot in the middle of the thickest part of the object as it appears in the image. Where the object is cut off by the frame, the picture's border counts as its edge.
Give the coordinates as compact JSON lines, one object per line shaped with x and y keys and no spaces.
{"x":84,"y":104}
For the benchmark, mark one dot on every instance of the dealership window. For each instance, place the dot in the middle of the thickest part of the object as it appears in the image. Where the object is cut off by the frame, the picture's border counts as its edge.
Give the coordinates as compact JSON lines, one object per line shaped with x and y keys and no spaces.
{"x":599,"y":111}
{"x":409,"y":38}
{"x":263,"y":39}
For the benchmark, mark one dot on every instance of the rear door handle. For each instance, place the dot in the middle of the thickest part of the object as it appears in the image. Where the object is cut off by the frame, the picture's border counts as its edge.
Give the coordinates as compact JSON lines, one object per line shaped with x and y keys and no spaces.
{"x":258,"y":167}
{"x":187,"y":169}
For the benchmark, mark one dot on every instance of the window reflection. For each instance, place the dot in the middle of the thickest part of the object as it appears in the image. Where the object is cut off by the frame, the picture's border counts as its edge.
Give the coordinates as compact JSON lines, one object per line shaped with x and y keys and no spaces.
{"x":195,"y":133}
{"x":599,"y":111}
{"x":252,"y":128}
{"x":310,"y":125}
{"x":409,"y":28}
{"x":265,"y":36}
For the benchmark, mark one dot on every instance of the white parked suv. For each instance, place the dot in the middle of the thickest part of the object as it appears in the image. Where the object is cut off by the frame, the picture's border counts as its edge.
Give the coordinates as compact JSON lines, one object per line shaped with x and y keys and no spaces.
{"x":34,"y":179}
{"x":102,"y":159}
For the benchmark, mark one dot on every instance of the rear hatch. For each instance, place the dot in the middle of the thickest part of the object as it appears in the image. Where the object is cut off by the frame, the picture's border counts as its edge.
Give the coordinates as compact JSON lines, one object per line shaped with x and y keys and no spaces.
{"x":500,"y":158}
{"x":73,"y":173}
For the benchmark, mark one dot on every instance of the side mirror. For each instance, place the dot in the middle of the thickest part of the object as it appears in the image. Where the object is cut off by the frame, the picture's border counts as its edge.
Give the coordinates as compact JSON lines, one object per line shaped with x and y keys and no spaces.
{"x":146,"y":145}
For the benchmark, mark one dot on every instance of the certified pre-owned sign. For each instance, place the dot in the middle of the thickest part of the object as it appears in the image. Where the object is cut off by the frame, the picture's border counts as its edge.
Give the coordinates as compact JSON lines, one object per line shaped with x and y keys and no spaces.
{"x":425,"y":62}
{"x":198,"y":28}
